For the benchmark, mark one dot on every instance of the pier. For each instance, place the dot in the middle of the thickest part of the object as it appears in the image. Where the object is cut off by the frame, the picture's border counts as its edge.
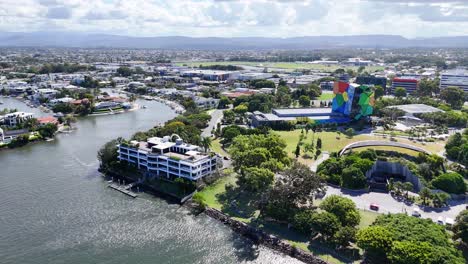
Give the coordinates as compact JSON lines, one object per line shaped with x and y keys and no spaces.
{"x":123,"y":189}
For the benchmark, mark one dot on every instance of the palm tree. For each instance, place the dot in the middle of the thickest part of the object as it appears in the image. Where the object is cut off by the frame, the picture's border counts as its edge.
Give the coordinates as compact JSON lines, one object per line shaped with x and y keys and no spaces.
{"x":425,"y":193}
{"x":407,"y":186}
{"x":206,"y":143}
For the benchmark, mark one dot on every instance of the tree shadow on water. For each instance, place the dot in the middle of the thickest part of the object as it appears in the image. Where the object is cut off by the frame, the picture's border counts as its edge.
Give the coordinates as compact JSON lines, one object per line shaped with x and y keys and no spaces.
{"x":245,"y":249}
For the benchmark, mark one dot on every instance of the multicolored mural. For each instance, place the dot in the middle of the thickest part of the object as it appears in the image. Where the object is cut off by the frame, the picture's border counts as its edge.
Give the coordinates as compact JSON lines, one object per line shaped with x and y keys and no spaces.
{"x":353,"y":101}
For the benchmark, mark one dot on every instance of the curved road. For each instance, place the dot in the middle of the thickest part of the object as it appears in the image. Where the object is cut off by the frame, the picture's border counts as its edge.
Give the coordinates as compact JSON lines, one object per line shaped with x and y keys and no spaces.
{"x":216,"y":117}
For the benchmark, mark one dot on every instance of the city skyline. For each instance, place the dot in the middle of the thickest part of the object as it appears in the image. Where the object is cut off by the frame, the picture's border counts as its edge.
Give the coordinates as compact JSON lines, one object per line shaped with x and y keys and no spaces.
{"x":242,"y":18}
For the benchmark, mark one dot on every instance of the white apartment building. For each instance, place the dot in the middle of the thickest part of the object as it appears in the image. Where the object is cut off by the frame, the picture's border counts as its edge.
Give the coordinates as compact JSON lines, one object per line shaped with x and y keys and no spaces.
{"x":163,"y":158}
{"x":16,"y":118}
{"x":457,"y":77}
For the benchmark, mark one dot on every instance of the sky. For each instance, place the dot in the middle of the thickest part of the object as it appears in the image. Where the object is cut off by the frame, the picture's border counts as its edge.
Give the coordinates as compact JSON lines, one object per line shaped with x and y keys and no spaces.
{"x":238,"y":18}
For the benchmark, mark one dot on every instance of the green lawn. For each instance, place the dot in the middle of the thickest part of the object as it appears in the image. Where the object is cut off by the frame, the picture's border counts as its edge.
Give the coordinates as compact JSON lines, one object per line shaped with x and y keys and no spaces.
{"x":216,"y":147}
{"x":325,"y":96}
{"x":367,"y":218}
{"x":282,"y":65}
{"x":211,"y":193}
{"x":332,"y":142}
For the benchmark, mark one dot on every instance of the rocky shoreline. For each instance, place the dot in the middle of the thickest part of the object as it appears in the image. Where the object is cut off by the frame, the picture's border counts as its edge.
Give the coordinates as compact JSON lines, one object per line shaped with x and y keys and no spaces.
{"x":260,"y":237}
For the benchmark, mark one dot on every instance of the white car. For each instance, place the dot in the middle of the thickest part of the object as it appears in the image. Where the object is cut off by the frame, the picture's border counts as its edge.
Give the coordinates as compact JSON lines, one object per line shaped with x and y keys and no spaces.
{"x":449,"y":222}
{"x":416,"y":212}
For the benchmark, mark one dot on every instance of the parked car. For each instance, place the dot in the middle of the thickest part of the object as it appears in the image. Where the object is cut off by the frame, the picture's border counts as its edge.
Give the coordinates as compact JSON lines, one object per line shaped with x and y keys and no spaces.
{"x":416,"y":212}
{"x":440,"y":220}
{"x":449,"y":222}
{"x":374,"y":206}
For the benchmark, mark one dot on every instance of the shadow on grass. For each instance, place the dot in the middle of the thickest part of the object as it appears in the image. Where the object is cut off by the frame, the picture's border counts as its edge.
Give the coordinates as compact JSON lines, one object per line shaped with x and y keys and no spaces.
{"x":238,"y":203}
{"x":317,"y":247}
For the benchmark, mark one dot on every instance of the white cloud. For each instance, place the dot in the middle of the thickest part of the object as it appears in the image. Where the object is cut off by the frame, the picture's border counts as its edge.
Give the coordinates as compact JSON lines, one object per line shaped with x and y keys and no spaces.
{"x":279,"y":18}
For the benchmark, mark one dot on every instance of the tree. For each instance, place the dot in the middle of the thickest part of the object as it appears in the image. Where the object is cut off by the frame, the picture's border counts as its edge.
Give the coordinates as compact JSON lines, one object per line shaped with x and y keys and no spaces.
{"x":107,"y":154}
{"x":344,"y":209}
{"x":425,"y":194}
{"x":407,"y":252}
{"x":304,"y":100}
{"x":295,"y":187}
{"x":460,"y":228}
{"x":302,"y":221}
{"x":400,"y":92}
{"x":440,"y":199}
{"x":256,"y":179}
{"x":405,"y":229}
{"x":326,"y":224}
{"x":376,"y":241}
{"x":353,"y":178}
{"x":319,"y":143}
{"x":19,"y":141}
{"x":206,"y":143}
{"x":298,"y":151}
{"x":454,"y":96}
{"x":407,"y":186}
{"x":124,"y":71}
{"x":379,"y":91}
{"x":240,"y":109}
{"x":349,"y":132}
{"x":451,"y":182}
{"x":229,"y":116}
{"x":224,"y":102}
{"x":427,"y":87}
{"x":345,"y":236}
{"x":47,"y":130}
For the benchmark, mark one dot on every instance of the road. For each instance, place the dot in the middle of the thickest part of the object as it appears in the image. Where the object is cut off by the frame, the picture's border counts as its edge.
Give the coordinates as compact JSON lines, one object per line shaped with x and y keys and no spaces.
{"x":389,"y":205}
{"x":216,"y":117}
{"x":315,"y":164}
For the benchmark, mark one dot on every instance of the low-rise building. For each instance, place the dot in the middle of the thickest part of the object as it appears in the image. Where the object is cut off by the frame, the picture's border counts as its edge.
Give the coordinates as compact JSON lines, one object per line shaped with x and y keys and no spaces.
{"x":457,"y":78}
{"x":161,"y":157}
{"x":206,"y":103}
{"x":413,"y":112}
{"x":410,"y":85}
{"x":16,"y":118}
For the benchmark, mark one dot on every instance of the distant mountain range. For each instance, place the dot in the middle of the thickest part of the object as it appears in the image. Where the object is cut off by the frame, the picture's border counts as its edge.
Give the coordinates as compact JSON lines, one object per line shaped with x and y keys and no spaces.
{"x":83,"y":40}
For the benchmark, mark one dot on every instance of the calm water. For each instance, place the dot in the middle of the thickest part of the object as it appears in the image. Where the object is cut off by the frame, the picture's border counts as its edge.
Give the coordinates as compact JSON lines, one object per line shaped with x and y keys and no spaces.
{"x":56,"y":208}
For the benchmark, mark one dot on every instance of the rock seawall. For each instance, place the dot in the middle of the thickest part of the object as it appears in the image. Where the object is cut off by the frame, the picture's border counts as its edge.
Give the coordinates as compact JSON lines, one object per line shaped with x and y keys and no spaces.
{"x":260,"y":237}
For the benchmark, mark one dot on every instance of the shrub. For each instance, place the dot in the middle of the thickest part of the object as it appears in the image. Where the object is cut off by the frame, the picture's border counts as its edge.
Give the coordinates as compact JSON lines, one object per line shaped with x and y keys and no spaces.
{"x":450,"y":182}
{"x":353,"y":178}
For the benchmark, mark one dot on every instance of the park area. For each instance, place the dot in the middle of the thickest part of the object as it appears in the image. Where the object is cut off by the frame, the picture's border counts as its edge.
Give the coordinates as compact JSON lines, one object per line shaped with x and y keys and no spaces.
{"x":335,"y":141}
{"x":279,"y":65}
{"x":242,"y":206}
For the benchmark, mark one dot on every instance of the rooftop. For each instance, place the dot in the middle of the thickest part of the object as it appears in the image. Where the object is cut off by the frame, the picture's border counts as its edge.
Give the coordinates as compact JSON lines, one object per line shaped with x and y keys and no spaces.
{"x":416,"y":108}
{"x":302,"y":111}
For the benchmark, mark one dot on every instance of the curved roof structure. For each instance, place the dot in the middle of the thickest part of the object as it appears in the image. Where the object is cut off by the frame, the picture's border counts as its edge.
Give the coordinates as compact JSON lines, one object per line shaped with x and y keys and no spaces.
{"x":378,"y":143}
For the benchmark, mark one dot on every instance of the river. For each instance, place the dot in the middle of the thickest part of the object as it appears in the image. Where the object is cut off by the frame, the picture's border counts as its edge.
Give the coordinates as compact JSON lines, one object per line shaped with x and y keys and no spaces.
{"x":56,"y":208}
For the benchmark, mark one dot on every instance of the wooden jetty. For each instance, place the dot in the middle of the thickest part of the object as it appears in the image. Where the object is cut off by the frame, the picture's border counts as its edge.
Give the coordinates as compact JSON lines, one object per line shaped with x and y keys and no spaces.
{"x":123,"y":189}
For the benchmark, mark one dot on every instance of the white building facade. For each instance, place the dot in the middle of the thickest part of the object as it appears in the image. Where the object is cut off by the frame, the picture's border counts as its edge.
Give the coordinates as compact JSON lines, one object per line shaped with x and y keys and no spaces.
{"x":13,"y":119}
{"x":162,"y":158}
{"x":457,"y":78}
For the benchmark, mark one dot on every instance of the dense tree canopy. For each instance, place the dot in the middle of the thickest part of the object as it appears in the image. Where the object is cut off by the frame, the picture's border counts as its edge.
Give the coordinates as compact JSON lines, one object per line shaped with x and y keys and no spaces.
{"x":402,"y":239}
{"x":343,"y":208}
{"x":451,"y":182}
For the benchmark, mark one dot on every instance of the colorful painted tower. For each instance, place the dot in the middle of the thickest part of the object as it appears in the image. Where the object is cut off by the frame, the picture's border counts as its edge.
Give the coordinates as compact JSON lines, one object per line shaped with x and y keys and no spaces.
{"x":353,"y":100}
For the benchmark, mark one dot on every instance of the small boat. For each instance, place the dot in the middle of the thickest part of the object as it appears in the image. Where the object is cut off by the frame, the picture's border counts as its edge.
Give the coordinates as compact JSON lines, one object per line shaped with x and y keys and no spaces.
{"x":144,"y":106}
